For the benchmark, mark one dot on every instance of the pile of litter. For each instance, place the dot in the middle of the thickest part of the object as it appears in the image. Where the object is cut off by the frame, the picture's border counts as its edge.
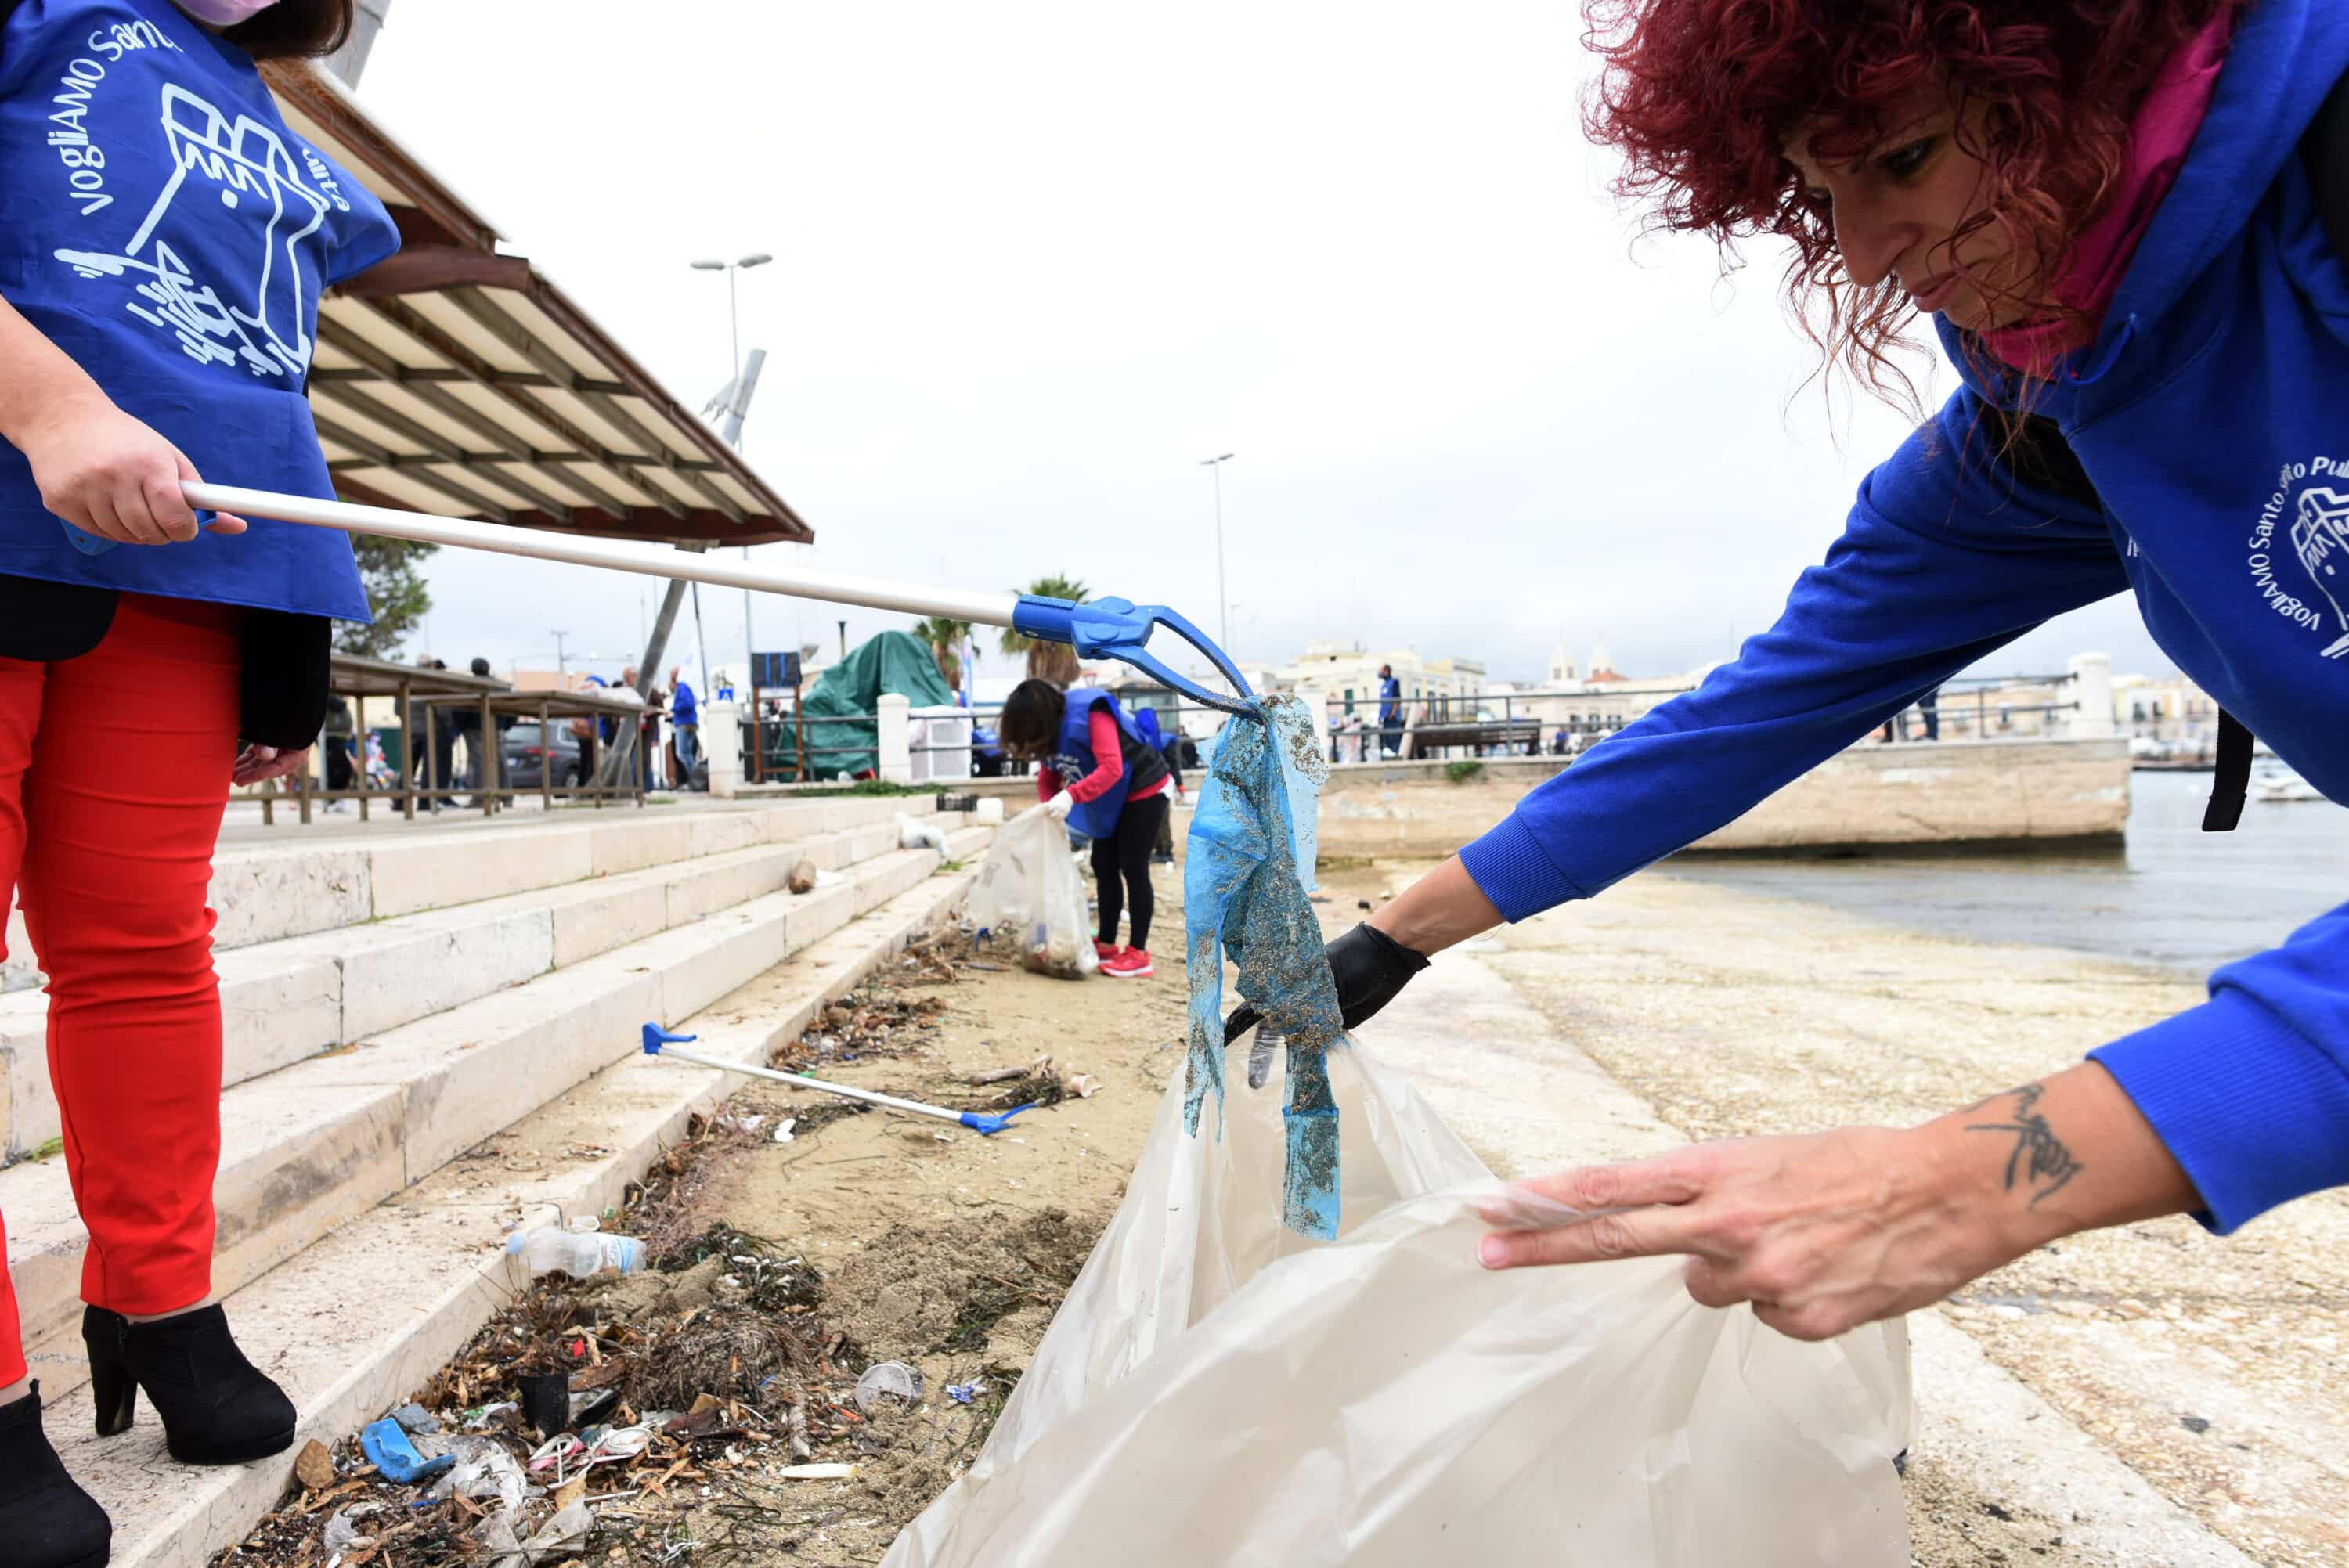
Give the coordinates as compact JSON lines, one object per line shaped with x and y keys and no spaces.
{"x":723,"y":1395}
{"x":873,"y":1020}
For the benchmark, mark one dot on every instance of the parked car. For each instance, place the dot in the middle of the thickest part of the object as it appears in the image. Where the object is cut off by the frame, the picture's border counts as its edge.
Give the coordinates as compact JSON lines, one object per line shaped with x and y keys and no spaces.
{"x":531,"y":759}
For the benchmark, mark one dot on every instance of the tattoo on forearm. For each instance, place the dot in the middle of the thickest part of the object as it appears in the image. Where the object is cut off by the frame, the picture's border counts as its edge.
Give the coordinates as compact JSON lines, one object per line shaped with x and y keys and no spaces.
{"x":2039,"y":1159}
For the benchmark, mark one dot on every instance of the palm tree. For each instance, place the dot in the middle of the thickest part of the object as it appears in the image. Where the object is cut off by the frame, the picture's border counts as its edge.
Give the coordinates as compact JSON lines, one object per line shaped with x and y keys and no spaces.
{"x":945,"y":636}
{"x":1053,"y":661}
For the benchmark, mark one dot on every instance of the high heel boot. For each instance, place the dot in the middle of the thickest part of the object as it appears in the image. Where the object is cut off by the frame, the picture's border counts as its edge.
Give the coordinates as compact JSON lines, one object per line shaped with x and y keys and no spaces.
{"x":45,"y":1519}
{"x":218,"y":1409}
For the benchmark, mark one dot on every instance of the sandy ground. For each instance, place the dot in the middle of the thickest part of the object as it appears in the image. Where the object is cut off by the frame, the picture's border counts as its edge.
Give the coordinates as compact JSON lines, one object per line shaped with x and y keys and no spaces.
{"x":910,"y":1221}
{"x":2212,"y":1367}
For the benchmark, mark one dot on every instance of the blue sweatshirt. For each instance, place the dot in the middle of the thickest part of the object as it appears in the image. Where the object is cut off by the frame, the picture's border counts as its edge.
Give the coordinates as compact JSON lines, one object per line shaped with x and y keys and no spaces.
{"x":2210,"y":413}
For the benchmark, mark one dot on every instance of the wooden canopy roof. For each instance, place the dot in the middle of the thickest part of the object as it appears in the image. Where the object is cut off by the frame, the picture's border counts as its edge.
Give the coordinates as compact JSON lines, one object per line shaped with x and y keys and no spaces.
{"x":455,"y":379}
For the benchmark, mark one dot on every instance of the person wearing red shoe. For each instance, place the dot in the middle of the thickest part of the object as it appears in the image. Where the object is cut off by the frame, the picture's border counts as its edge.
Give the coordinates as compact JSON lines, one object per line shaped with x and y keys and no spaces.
{"x":170,"y":236}
{"x":1101,"y":776}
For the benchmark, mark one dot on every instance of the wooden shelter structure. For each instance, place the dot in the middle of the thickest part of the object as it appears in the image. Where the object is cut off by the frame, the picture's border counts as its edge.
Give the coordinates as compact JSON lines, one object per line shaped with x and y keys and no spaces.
{"x":456,"y":378}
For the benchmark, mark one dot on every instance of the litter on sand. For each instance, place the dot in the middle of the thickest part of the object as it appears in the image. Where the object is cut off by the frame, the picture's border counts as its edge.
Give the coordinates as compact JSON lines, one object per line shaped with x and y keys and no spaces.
{"x":888,"y":1379}
{"x":389,"y":1448}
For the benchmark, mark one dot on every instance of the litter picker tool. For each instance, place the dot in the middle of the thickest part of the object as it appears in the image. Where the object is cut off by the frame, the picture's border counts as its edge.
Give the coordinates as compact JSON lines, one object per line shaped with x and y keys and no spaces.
{"x":1104,"y":629}
{"x":658,"y":1040}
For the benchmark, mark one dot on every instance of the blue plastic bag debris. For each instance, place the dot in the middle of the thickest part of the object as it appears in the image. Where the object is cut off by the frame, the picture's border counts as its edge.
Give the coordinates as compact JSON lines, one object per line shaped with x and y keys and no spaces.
{"x":388,"y":1448}
{"x":1251,"y":854}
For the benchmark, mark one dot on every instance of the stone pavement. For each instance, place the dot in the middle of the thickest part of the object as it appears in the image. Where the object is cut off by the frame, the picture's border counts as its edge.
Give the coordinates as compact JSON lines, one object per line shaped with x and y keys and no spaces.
{"x":2148,"y":1395}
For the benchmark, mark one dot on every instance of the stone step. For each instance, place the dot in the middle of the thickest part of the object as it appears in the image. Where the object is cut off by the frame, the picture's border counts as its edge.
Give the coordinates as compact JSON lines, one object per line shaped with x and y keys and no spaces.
{"x":324,"y":880}
{"x":289,"y":999}
{"x":311,"y":1146}
{"x":358,"y":1322}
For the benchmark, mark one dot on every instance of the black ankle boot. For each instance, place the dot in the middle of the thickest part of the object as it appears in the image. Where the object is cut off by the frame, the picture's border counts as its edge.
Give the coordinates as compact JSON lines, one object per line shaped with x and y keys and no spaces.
{"x":45,"y":1519}
{"x":218,"y":1409}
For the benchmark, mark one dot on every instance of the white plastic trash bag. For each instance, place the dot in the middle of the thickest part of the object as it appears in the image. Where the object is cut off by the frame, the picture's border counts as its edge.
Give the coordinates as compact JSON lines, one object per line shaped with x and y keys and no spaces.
{"x":1218,"y":1389}
{"x":912,"y":833}
{"x":1028,"y":891}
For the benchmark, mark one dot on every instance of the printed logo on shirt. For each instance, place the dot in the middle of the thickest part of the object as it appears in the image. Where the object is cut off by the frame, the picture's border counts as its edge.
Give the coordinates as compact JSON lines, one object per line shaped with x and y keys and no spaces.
{"x":2300,"y":546}
{"x":260,"y":318}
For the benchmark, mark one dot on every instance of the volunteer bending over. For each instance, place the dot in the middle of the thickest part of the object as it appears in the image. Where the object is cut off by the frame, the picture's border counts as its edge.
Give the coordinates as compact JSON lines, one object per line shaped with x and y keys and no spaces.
{"x":1109,"y":785}
{"x":2104,"y":209}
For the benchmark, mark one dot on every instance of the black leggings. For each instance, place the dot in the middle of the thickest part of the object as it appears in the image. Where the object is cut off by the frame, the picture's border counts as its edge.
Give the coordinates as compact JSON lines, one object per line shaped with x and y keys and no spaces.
{"x":1126,"y":853}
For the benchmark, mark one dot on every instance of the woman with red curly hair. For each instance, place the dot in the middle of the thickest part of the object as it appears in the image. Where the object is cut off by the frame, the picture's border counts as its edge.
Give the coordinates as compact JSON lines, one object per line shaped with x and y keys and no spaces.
{"x":2106,"y":208}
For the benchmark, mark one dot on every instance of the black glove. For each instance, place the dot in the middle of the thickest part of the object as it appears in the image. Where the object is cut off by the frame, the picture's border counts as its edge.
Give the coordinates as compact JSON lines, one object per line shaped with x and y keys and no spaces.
{"x":1370,"y":968}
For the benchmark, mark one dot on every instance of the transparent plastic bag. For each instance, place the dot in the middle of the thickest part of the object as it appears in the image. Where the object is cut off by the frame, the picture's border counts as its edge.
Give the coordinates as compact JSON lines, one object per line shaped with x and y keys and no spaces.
{"x":1030,"y":892}
{"x":1218,"y":1389}
{"x":1278,"y":1357}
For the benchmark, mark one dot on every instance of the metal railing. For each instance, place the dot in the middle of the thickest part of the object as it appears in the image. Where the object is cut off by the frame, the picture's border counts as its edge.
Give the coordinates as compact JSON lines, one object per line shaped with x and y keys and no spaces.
{"x":416,"y":779}
{"x":1440,"y":727}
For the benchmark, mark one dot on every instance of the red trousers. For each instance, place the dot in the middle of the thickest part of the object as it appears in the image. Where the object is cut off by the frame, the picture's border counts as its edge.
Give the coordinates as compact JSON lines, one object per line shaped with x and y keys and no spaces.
{"x":114,"y":773}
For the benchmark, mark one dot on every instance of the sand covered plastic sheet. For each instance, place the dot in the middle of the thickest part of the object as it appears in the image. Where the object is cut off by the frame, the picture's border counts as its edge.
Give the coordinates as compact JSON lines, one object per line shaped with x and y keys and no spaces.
{"x":1220,"y":1388}
{"x":1247,"y":867}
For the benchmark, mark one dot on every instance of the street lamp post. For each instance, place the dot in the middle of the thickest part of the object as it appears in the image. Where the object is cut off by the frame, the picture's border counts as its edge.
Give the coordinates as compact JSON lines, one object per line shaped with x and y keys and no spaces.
{"x":734,"y":333}
{"x":1223,"y":609}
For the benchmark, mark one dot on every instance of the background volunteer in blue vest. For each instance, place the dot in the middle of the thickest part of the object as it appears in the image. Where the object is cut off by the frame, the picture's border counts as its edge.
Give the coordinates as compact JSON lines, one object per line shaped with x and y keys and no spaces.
{"x":1390,"y":711}
{"x":1099,"y":775}
{"x":685,"y":725}
{"x":169,"y":237}
{"x":2157,"y":409}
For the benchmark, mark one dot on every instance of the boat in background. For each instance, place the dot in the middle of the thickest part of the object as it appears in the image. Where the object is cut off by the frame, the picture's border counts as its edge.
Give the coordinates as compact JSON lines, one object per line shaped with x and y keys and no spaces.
{"x":2279,"y":782}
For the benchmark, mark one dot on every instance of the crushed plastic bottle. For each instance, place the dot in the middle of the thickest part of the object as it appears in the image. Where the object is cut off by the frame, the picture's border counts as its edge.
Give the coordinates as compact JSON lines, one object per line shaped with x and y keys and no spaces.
{"x":1260,"y":1062}
{"x":581,"y":1255}
{"x":892,"y":1380}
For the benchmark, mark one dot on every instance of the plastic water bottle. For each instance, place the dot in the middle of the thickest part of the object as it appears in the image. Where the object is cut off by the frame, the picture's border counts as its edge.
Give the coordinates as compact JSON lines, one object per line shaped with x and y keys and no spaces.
{"x":581,"y":1255}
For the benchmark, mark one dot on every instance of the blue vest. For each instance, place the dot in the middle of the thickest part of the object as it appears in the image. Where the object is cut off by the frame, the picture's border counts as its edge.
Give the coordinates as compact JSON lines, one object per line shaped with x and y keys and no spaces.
{"x":171,"y":233}
{"x":1073,"y":759}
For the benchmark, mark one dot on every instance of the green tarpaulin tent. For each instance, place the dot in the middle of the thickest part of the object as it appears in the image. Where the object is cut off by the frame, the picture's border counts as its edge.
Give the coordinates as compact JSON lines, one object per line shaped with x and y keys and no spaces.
{"x":847,"y":695}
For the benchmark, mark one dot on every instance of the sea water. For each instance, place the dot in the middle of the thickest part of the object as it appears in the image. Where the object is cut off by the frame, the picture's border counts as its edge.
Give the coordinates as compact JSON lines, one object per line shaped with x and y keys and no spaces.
{"x":2175,"y":897}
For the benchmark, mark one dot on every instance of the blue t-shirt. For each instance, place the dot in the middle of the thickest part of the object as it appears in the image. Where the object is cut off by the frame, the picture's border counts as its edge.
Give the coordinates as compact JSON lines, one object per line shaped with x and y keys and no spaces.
{"x":168,"y":230}
{"x":682,"y":707}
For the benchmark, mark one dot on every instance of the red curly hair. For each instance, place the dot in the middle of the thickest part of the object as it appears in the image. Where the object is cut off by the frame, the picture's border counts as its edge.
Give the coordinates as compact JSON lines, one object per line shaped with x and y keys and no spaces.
{"x":1701,"y":95}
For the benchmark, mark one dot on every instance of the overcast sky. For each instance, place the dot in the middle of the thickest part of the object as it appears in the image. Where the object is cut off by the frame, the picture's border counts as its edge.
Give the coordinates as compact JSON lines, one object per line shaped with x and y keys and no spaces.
{"x":1034,"y":262}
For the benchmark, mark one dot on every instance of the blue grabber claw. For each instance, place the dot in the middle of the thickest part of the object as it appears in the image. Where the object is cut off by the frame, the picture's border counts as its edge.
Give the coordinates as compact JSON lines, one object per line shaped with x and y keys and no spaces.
{"x":989,"y":1126}
{"x":655,"y":1037}
{"x":1116,"y":629}
{"x":91,"y":545}
{"x":88,"y":544}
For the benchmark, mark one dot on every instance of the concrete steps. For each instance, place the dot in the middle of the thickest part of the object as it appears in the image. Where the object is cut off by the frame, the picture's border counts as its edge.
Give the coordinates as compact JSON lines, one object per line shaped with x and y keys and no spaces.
{"x":356,"y":1320}
{"x":289,"y":998}
{"x":313,"y":1144}
{"x":341,"y":874}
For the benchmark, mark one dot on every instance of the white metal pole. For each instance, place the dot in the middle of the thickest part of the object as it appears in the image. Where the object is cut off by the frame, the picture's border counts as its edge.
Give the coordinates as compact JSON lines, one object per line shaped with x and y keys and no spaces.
{"x":748,"y":643}
{"x":796,"y":1081}
{"x":1223,"y":605}
{"x":734,"y":319}
{"x":833,"y":587}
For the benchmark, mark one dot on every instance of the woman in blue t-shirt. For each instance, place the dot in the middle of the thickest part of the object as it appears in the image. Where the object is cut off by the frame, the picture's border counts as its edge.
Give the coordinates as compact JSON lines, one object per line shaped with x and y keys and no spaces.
{"x":169,"y":236}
